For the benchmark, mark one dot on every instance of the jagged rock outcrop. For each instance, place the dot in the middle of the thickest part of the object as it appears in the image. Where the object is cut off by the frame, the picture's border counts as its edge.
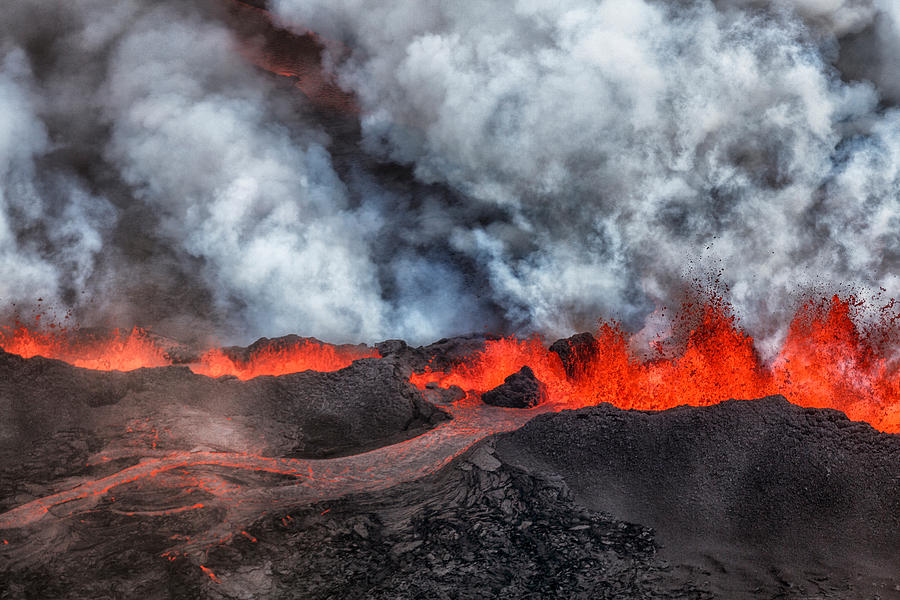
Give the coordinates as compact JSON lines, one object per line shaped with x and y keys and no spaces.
{"x":439,"y":356}
{"x":522,"y":389}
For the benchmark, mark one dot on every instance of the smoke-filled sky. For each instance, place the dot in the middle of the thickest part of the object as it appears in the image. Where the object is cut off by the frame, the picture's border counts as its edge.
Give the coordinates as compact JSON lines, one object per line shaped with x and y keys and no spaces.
{"x":525,"y":166}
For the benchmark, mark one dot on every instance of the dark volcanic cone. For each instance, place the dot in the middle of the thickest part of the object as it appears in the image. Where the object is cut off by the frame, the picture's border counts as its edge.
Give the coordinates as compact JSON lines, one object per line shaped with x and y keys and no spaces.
{"x":520,"y":390}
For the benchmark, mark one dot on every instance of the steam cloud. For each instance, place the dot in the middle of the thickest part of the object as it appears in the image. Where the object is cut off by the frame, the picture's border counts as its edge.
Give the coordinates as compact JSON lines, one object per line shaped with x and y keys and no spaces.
{"x":522,"y":166}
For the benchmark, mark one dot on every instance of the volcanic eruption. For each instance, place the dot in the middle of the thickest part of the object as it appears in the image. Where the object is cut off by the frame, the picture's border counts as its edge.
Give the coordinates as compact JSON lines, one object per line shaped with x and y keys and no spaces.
{"x":671,"y":226}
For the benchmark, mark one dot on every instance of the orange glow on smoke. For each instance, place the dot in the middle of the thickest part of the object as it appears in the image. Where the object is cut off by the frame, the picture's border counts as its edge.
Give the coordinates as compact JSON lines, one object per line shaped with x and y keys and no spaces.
{"x":119,"y":352}
{"x":264,"y":43}
{"x":827,"y":361}
{"x":307,"y":355}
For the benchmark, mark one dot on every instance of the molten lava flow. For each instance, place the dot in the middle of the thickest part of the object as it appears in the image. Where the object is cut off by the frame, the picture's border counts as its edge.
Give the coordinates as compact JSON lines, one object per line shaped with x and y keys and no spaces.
{"x":306,"y":355}
{"x":119,"y":352}
{"x":209,"y":573}
{"x":827,"y":361}
{"x":376,"y":469}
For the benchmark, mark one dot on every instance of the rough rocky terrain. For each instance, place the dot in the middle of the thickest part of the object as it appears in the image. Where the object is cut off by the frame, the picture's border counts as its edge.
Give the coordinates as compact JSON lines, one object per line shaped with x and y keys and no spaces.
{"x":761,"y":497}
{"x":477,"y":529}
{"x":315,"y":485}
{"x":439,"y":356}
{"x":57,"y":418}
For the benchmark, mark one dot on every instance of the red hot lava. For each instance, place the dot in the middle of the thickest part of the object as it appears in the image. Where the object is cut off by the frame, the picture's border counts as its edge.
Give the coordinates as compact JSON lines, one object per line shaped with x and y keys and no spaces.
{"x":126,"y":352}
{"x":119,"y":352}
{"x":827,"y":361}
{"x":305,"y":355}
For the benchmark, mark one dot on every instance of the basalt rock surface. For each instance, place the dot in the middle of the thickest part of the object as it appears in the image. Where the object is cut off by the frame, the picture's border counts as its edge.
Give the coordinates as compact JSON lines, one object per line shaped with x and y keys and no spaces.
{"x":54,"y":415}
{"x":442,"y":355}
{"x":438,"y":395}
{"x":519,"y":390}
{"x":477,"y":529}
{"x":745,"y":499}
{"x":761,"y":498}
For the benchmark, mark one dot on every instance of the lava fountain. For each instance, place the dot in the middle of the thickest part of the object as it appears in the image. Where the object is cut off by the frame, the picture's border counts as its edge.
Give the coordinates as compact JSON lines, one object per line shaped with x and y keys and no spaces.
{"x":829,"y":359}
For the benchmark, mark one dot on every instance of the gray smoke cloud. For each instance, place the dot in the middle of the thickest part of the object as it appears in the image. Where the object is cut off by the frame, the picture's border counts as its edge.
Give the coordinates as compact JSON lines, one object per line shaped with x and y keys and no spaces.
{"x":630,"y":138}
{"x":528,"y":166}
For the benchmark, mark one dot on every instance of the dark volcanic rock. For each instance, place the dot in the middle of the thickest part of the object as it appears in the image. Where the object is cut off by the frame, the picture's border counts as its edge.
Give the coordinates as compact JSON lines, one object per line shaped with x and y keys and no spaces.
{"x":362,"y":406}
{"x":439,"y":356}
{"x":769,"y":499}
{"x":435,"y":394}
{"x":575,"y":351}
{"x":311,"y":414}
{"x":477,"y":529}
{"x":747,"y":499}
{"x":520,"y":390}
{"x":244,"y":354}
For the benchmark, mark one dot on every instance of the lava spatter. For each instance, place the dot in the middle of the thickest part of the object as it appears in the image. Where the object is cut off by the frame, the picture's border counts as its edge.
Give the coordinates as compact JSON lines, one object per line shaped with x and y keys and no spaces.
{"x":829,"y":360}
{"x":119,"y":351}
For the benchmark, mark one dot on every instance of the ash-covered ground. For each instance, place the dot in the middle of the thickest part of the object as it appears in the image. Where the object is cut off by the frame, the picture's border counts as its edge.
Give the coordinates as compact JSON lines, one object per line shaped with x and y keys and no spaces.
{"x":160,"y":483}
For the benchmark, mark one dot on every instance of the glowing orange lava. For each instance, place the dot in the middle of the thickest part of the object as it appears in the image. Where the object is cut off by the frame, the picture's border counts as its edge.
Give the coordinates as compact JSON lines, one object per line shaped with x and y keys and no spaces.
{"x":827,"y":361}
{"x":307,"y":355}
{"x":135,"y":350}
{"x":119,"y":352}
{"x":209,"y":573}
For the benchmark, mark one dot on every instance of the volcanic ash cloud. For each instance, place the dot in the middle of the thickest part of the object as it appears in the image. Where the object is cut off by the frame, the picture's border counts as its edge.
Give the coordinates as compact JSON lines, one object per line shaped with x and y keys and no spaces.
{"x":528,"y":166}
{"x":629,"y":138}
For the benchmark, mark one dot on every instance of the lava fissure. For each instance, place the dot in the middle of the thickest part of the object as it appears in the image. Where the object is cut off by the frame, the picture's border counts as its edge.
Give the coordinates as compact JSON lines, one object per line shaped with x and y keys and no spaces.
{"x":829,"y":359}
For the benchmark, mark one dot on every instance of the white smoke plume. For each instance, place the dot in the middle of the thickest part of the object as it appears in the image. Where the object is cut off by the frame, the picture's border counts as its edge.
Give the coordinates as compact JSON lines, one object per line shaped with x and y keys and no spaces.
{"x":629,"y":137}
{"x":524,"y":166}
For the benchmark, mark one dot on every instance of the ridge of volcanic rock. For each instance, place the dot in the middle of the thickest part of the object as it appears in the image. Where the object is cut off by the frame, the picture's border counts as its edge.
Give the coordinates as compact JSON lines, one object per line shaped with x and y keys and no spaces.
{"x":441,"y":355}
{"x":283,"y":343}
{"x":311,"y":414}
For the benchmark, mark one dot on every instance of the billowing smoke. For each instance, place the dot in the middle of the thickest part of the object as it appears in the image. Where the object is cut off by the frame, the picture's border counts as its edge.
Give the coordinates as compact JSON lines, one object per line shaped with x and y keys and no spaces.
{"x":520,"y":166}
{"x":628,"y":138}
